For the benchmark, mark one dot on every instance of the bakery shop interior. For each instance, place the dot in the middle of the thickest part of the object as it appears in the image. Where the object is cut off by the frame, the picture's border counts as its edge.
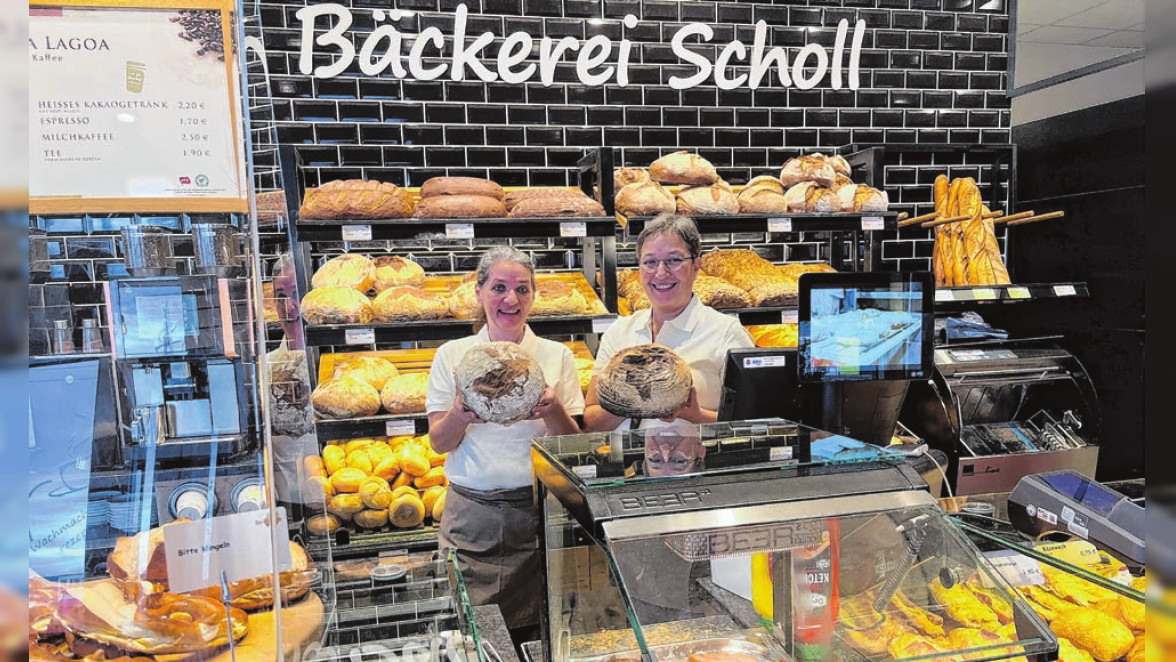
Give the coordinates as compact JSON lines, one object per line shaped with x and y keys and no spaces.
{"x":588,"y":331}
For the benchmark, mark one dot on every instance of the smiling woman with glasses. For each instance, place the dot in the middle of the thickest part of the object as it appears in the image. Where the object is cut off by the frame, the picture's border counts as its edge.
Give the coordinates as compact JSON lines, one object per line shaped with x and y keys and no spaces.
{"x":668,"y":251}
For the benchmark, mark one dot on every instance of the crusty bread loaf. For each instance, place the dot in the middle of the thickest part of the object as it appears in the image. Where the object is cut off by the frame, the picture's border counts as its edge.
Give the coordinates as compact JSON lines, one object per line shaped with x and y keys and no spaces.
{"x":515,"y":197}
{"x":349,"y":270}
{"x":371,"y":369}
{"x":861,"y":197}
{"x":762,"y":200}
{"x":394,"y":270}
{"x":718,"y":293}
{"x":439,"y":186}
{"x":405,"y":393}
{"x":460,"y":206}
{"x":463,"y":302}
{"x":644,"y":381}
{"x":556,"y":206}
{"x":408,"y":304}
{"x":622,"y":177}
{"x":809,"y":168}
{"x":713,"y":200}
{"x":500,"y":382}
{"x":555,"y":297}
{"x":336,"y":305}
{"x":356,"y":199}
{"x":810,"y":197}
{"x":344,"y":397}
{"x":645,"y":199}
{"x":683,"y":168}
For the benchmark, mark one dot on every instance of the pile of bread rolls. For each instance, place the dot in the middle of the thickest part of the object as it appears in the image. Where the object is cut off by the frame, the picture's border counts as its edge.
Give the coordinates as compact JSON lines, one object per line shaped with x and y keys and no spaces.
{"x":805,"y":184}
{"x":373,"y":484}
{"x":364,"y":385}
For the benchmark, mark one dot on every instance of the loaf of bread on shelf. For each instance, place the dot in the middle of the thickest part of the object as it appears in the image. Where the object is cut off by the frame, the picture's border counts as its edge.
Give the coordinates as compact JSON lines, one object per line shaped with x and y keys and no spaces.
{"x":718,"y":293}
{"x":622,"y":177}
{"x":500,"y":382}
{"x":336,"y":304}
{"x":576,"y":204}
{"x":461,"y":186}
{"x":515,"y":197}
{"x":556,"y":297}
{"x":345,"y":397}
{"x":809,"y":197}
{"x":861,"y":197}
{"x":645,"y":199}
{"x":762,"y":200}
{"x":463,"y":302}
{"x":460,"y":206}
{"x":644,"y":381}
{"x":405,"y":393}
{"x":352,"y":270}
{"x":394,"y":270}
{"x":355,"y":199}
{"x":683,"y":168}
{"x":371,"y":369}
{"x":713,"y":200}
{"x":408,"y":304}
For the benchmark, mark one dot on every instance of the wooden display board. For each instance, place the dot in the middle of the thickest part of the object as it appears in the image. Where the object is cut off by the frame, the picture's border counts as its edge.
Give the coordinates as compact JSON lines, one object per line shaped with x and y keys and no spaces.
{"x":134,"y":107}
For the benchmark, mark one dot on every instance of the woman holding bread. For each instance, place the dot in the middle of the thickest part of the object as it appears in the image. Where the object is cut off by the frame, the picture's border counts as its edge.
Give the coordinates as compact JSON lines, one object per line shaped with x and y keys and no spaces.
{"x":490,"y":515}
{"x":668,"y":252}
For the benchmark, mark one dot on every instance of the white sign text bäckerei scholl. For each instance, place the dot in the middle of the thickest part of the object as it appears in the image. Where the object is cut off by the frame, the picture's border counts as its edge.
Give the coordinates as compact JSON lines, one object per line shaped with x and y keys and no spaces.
{"x":599,"y":61}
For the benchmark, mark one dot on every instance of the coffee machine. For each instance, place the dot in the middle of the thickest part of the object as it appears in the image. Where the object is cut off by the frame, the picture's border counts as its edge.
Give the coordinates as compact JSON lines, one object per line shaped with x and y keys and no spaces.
{"x":181,"y":379}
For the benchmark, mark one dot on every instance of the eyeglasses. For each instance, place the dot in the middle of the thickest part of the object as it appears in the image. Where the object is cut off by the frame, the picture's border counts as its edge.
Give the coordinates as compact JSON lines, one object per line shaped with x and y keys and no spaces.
{"x":674,"y":264}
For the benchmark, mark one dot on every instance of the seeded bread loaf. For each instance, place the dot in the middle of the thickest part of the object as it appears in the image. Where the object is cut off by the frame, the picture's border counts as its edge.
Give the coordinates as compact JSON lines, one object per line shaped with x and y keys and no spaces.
{"x":500,"y":382}
{"x":356,"y":199}
{"x":441,"y":186}
{"x":683,"y":168}
{"x":460,"y":206}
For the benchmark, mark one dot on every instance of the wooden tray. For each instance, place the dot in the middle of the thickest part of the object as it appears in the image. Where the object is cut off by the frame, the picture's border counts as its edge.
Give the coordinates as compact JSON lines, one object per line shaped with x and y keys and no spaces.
{"x":413,"y":360}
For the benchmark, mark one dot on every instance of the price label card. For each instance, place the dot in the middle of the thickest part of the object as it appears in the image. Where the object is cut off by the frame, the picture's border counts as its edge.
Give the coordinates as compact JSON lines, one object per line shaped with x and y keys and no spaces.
{"x":944,"y":295}
{"x":982,"y":293}
{"x":1019,"y":293}
{"x":873,"y":223}
{"x":459,"y":230}
{"x":198,"y":551}
{"x":780,"y":453}
{"x":601,"y":325}
{"x":357,"y":233}
{"x":359,"y":336}
{"x":399,"y":427}
{"x":788,"y":317}
{"x":573,"y":229}
{"x":1064,"y":290}
{"x":779,"y":225}
{"x":1016,"y":568}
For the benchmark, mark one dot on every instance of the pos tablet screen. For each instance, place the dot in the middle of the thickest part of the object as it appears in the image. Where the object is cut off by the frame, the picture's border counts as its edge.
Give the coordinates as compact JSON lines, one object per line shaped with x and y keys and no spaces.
{"x":865,"y":326}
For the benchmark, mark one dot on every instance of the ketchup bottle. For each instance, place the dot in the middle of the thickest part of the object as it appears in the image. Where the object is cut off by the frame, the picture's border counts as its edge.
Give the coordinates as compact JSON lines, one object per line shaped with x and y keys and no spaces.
{"x":815,"y":590}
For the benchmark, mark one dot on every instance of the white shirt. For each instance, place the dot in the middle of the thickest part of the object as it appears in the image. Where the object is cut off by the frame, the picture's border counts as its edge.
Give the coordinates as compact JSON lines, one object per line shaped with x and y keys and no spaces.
{"x":699,"y":334}
{"x":493,"y":456}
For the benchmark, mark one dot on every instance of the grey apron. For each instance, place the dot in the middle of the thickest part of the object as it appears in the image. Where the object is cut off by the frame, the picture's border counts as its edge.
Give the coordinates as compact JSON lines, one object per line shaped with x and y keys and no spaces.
{"x":496,"y":536}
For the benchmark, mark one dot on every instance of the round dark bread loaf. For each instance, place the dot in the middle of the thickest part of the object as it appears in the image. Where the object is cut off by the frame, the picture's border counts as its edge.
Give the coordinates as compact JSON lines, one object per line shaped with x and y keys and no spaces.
{"x":644,"y":381}
{"x":500,"y":382}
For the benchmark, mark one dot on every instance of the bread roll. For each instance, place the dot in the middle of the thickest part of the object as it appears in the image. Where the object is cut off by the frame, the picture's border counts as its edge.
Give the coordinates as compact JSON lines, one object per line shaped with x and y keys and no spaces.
{"x":809,"y":168}
{"x":718,"y":293}
{"x":463,"y":302}
{"x":555,"y":297}
{"x":861,"y":197}
{"x":459,"y":186}
{"x":371,"y":369}
{"x":356,"y":199}
{"x":460,"y":206}
{"x":393,"y":270}
{"x":762,"y":200}
{"x":644,"y":381}
{"x":405,"y":393}
{"x":408,"y":304}
{"x":622,"y":177}
{"x":578,"y":205}
{"x":683,"y":168}
{"x":336,"y":305}
{"x":713,"y":200}
{"x":645,"y":199}
{"x":500,"y":382}
{"x":344,"y":397}
{"x":811,"y":197}
{"x":348,"y":270}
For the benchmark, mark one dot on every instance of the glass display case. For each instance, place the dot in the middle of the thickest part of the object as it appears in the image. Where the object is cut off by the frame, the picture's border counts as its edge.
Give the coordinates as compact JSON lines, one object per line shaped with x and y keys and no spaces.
{"x":761,"y":540}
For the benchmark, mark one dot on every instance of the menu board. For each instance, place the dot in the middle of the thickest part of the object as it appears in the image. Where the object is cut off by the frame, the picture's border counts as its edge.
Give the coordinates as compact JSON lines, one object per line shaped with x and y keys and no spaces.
{"x":133,"y":107}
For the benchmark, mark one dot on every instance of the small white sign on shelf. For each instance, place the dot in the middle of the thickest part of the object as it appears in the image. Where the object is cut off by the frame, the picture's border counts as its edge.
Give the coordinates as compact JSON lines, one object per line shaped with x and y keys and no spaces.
{"x":359,"y":336}
{"x":780,"y":224}
{"x":238,"y":544}
{"x":399,"y":427}
{"x":459,"y":230}
{"x":944,"y":295}
{"x":1064,"y":290}
{"x":357,"y":233}
{"x":601,"y":325}
{"x":573,"y":229}
{"x":873,"y":223}
{"x":1018,"y":292}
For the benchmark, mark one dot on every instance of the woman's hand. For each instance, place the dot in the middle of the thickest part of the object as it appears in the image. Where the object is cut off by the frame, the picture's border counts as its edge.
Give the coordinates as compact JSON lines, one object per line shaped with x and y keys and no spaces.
{"x":548,"y":408}
{"x":690,"y":411}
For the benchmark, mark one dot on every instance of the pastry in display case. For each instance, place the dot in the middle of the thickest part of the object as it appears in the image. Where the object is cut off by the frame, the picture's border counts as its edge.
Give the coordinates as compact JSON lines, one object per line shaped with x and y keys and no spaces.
{"x":748,"y":541}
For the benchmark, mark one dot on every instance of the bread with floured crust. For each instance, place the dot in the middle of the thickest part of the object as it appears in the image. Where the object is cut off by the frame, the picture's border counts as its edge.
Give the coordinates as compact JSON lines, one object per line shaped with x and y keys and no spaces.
{"x":356,"y":199}
{"x":405,"y":303}
{"x":441,"y":186}
{"x":460,"y":206}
